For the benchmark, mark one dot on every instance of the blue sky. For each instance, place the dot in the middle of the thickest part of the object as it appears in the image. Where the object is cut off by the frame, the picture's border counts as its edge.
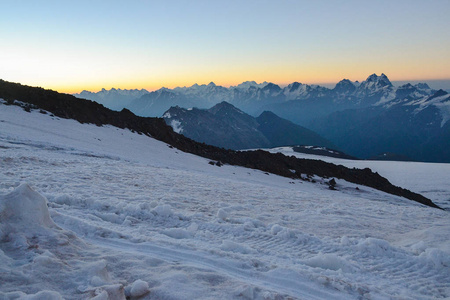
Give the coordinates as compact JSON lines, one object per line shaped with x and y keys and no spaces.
{"x":74,"y":45}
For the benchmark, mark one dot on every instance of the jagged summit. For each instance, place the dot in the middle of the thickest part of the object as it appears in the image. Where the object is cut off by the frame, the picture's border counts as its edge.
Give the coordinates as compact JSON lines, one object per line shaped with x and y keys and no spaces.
{"x":439,"y":93}
{"x":249,"y":84}
{"x":294,"y":86}
{"x":344,"y":86}
{"x":271,"y":87}
{"x":374,"y":88}
{"x":380,"y":81}
{"x":423,"y":86}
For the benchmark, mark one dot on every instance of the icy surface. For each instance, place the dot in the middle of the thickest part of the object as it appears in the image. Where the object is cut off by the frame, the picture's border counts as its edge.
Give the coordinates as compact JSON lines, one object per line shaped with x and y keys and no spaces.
{"x":104,"y":213}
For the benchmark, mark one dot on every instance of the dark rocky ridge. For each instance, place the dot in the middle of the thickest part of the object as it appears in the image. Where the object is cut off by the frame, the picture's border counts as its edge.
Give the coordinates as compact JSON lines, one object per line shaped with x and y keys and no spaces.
{"x":86,"y":111}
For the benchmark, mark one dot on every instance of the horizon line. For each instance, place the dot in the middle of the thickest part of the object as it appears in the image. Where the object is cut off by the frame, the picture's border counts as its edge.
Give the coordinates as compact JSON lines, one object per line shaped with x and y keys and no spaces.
{"x":445,"y":85}
{"x":282,"y":85}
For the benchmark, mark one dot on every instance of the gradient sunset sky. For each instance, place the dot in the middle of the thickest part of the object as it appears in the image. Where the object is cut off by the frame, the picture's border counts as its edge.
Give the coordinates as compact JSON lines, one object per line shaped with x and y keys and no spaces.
{"x":69,"y":46}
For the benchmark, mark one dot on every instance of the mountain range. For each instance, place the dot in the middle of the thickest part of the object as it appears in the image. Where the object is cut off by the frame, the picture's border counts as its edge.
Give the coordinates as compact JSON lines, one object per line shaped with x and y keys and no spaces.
{"x":226,"y":126}
{"x":114,"y":99}
{"x":363,"y":119}
{"x":254,"y":98}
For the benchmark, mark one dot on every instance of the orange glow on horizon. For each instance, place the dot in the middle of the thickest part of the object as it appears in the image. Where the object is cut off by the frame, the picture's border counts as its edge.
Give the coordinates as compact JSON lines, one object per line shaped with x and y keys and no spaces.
{"x":155,"y":85}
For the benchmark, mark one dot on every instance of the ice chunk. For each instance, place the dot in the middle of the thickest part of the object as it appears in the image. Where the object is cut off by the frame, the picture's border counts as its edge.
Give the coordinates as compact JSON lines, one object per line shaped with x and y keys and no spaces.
{"x":222,"y":214}
{"x":99,"y":273}
{"x":236,"y":247}
{"x":163,"y":210}
{"x":114,"y":291}
{"x":275,"y":229}
{"x":139,"y":288}
{"x":102,"y":296}
{"x":248,"y":293}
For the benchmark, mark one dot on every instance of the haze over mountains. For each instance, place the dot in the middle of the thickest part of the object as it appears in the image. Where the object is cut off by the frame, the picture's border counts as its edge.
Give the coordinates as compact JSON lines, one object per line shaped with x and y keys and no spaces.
{"x":367,"y":119}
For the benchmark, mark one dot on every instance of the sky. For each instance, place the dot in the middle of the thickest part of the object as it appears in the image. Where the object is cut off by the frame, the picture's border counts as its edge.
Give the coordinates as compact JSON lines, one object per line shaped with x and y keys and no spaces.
{"x":70,"y":46}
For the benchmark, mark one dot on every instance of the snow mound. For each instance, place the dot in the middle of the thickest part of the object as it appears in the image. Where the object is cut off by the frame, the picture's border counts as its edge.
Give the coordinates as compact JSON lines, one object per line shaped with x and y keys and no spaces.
{"x":23,"y":212}
{"x":329,"y":261}
{"x":42,"y":295}
{"x":24,"y":207}
{"x":439,"y":258}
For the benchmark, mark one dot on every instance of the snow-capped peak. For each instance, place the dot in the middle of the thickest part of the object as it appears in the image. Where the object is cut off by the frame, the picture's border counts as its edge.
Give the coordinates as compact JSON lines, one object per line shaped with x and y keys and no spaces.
{"x":376,"y":85}
{"x":380,"y":81}
{"x":249,"y":84}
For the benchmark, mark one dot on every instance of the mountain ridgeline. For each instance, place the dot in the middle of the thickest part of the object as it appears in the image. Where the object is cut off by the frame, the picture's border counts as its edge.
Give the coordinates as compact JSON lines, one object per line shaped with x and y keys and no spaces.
{"x":226,"y":126}
{"x":364,"y":119}
{"x":85,"y":111}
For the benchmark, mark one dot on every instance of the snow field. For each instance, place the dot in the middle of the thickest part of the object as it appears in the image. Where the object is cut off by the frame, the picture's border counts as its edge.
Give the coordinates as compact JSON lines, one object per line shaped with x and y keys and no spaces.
{"x":130,"y":217}
{"x":429,"y":179}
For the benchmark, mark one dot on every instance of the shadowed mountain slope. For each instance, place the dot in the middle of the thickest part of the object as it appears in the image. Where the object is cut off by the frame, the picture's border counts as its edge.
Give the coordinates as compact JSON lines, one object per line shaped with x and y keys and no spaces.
{"x":226,"y":126}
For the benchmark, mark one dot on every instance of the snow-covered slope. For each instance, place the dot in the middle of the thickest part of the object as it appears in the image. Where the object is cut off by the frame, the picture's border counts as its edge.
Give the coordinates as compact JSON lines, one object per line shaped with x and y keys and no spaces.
{"x":89,"y":211}
{"x":428,"y":179}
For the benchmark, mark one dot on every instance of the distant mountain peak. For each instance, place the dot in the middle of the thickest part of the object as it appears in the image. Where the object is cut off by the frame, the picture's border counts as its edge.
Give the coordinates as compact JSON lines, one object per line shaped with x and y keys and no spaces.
{"x":250,"y":84}
{"x":422,"y":86}
{"x":381,"y":80}
{"x":344,"y":86}
{"x":372,"y":77}
{"x":406,"y":86}
{"x":272,"y":87}
{"x":439,"y":93}
{"x":294,"y":86}
{"x":267,"y":113}
{"x":224,"y":106}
